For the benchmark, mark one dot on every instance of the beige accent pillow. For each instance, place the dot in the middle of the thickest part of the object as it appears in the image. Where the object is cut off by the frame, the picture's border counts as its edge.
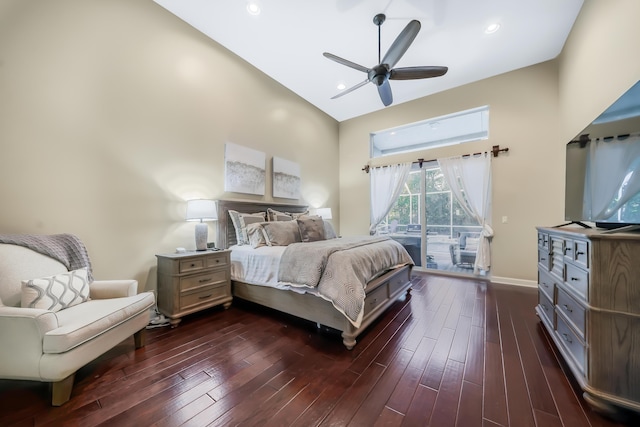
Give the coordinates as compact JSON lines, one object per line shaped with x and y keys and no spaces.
{"x":311,"y":228}
{"x":57,"y":292}
{"x":282,"y":233}
{"x":256,"y":234}
{"x":240,"y":222}
{"x":274,"y":215}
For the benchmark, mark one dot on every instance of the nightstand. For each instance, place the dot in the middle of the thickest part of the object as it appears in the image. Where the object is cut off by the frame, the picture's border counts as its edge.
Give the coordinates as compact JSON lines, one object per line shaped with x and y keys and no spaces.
{"x":192,"y":281}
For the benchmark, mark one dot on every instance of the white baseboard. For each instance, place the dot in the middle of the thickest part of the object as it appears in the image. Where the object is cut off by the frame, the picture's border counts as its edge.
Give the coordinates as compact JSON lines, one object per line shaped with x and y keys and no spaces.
{"x":515,"y":282}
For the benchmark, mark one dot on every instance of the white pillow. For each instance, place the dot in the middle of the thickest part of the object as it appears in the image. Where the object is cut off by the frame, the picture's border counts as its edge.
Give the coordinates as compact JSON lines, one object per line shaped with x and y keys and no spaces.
{"x":57,"y":292}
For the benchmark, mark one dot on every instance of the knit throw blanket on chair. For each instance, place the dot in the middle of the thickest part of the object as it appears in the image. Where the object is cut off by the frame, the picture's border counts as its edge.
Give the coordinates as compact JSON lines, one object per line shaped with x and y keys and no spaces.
{"x":66,"y":248}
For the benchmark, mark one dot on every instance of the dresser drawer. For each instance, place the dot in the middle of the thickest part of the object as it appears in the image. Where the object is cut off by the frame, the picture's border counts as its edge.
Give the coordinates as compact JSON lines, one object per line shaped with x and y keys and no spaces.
{"x":543,"y":240}
{"x":571,"y":343}
{"x":544,"y":259}
{"x":546,"y":283}
{"x":572,"y":310}
{"x":201,"y":280}
{"x":546,"y":307}
{"x":206,"y":295}
{"x":581,"y":252}
{"x":577,"y":279}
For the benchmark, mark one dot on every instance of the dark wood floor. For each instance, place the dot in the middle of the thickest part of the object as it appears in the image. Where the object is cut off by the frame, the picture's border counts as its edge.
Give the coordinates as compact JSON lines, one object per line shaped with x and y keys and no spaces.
{"x":455,"y":353}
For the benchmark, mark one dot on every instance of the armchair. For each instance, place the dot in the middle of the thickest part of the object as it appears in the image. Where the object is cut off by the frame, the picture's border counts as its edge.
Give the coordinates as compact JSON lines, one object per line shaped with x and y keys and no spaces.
{"x":45,"y":345}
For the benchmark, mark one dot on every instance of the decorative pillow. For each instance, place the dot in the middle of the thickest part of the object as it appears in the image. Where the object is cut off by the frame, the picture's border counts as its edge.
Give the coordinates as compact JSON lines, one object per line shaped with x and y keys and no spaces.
{"x":58,"y":292}
{"x":281,"y":233}
{"x":274,"y":215}
{"x":256,"y":235}
{"x":329,"y":231}
{"x":311,"y":228}
{"x":240,"y":222}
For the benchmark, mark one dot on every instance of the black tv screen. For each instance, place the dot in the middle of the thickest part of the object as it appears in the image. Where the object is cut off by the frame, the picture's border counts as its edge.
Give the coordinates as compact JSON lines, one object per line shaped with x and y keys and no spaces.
{"x":603,"y":167}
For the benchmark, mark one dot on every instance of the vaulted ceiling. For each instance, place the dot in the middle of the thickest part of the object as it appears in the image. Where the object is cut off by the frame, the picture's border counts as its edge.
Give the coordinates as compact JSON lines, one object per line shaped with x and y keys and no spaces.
{"x":287,"y":38}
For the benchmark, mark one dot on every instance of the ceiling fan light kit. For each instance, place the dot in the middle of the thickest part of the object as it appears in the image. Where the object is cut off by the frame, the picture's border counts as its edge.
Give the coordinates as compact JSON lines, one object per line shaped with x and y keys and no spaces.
{"x":380,"y":74}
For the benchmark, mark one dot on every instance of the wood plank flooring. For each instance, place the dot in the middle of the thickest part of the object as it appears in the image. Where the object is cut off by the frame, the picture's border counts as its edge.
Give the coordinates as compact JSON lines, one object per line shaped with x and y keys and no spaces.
{"x":456,"y":352}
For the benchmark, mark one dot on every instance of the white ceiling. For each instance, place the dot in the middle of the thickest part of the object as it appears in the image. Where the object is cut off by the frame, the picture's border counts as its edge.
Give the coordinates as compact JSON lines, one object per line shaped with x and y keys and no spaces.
{"x":287,"y":39}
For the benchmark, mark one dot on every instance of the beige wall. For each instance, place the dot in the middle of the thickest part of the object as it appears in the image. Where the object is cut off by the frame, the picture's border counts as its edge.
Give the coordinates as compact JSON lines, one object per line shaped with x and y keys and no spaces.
{"x":535,"y":111}
{"x":112,"y":113}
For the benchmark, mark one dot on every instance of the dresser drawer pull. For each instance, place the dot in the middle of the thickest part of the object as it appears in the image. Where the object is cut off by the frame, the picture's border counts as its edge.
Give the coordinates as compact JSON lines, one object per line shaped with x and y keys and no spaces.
{"x":580,"y":253}
{"x":193,"y":265}
{"x":566,"y":307}
{"x":566,"y":338}
{"x":542,"y":259}
{"x":205,"y":296}
{"x":576,"y":279}
{"x":204,"y":280}
{"x":546,"y":285}
{"x":544,"y":306}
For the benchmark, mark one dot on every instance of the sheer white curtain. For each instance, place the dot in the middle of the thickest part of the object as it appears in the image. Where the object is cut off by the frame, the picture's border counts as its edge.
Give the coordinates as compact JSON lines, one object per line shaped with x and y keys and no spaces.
{"x":470,"y":183}
{"x":612,"y":177}
{"x":386,"y":185}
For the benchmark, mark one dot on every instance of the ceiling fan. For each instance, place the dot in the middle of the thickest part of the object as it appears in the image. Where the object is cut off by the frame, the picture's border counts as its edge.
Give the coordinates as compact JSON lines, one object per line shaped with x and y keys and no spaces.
{"x":383,"y":72}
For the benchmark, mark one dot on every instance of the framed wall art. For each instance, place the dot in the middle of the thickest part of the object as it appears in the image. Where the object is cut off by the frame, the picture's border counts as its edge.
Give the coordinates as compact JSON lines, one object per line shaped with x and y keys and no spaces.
{"x":244,"y":169}
{"x":286,"y":179}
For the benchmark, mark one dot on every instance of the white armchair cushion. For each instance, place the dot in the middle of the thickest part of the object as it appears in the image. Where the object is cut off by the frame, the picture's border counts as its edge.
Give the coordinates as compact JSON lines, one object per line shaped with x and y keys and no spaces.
{"x":57,"y":292}
{"x":86,"y":321}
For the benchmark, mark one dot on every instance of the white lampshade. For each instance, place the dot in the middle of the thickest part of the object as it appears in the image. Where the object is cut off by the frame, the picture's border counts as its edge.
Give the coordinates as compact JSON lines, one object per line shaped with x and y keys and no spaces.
{"x":201,"y":210}
{"x":324,"y":213}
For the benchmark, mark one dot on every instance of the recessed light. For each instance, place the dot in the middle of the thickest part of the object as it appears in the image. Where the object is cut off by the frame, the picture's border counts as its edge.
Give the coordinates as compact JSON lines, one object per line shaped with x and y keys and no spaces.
{"x":341,"y":86}
{"x":253,"y":8}
{"x":492,"y":28}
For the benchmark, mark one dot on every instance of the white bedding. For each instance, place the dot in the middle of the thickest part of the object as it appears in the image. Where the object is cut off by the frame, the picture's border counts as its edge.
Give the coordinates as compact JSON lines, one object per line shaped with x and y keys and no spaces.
{"x":259,"y":266}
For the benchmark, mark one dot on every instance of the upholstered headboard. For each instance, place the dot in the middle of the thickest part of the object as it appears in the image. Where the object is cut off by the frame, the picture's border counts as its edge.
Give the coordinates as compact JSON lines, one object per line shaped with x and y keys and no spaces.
{"x":226,"y":233}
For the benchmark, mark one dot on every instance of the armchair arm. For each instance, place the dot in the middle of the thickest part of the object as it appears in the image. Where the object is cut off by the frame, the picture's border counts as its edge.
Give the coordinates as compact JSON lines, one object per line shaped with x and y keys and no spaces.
{"x":21,"y":335}
{"x":105,"y":289}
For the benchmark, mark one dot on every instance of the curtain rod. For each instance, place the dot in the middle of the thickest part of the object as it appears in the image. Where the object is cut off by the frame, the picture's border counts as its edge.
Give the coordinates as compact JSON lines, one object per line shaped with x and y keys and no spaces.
{"x":494,"y":150}
{"x":584,"y":138}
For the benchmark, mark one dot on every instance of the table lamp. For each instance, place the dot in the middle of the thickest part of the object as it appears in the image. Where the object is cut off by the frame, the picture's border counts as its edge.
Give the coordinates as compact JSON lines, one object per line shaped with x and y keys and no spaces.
{"x":324,"y":213}
{"x":201,"y":210}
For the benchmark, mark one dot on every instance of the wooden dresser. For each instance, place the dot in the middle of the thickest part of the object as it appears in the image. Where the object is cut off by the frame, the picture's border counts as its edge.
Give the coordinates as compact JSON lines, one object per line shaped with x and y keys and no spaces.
{"x":589,"y":302}
{"x":192,"y":281}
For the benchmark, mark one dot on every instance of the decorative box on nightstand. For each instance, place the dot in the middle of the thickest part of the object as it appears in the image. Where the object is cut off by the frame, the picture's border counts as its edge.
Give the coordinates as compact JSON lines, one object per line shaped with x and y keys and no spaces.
{"x":192,"y":281}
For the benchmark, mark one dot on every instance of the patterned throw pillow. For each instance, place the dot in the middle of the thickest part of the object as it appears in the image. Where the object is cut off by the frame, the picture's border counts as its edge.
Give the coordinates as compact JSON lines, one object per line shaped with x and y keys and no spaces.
{"x":240,"y":222}
{"x":256,"y":235}
{"x":281,"y":233}
{"x":311,"y":228}
{"x":274,"y":215}
{"x":58,"y":292}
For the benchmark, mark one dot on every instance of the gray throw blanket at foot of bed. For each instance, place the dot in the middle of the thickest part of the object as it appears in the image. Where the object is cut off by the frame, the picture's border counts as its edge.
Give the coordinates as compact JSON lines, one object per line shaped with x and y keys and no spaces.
{"x":341,"y":268}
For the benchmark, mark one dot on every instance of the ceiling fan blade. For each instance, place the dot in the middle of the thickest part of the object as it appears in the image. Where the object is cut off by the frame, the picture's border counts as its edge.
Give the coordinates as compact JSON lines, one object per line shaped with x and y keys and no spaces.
{"x":345,"y":62}
{"x":401,"y":43}
{"x":384,"y":90}
{"x":351,"y":89}
{"x":411,"y":73}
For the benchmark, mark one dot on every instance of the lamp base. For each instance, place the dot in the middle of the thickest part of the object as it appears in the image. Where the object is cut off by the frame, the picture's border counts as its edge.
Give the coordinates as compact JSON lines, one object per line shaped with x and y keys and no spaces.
{"x":202,"y":231}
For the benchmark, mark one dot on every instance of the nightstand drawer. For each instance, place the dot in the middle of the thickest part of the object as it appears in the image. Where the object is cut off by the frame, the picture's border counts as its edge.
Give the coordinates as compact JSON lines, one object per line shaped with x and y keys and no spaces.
{"x":205,"y":279}
{"x":189,"y":265}
{"x":216,"y":261}
{"x":572,"y":310}
{"x":205,"y":296}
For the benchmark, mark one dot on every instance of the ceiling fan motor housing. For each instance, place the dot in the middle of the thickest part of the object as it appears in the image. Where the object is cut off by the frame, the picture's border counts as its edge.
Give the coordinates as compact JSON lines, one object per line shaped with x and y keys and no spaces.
{"x":378,"y":74}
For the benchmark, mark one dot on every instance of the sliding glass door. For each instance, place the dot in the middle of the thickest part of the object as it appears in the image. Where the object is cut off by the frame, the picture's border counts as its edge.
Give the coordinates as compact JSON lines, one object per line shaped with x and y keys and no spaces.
{"x":431,"y":225}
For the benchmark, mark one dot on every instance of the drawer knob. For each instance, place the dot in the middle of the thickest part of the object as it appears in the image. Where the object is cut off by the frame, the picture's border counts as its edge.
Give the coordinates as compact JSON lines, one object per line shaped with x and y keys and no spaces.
{"x":204,"y":280}
{"x":566,"y":307}
{"x":566,"y":338}
{"x":205,"y":296}
{"x":575,"y":279}
{"x":193,"y":265}
{"x":579,"y":253}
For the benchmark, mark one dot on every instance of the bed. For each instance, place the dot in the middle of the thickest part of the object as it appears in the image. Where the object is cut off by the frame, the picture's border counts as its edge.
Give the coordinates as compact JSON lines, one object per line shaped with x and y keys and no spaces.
{"x":305,"y":302}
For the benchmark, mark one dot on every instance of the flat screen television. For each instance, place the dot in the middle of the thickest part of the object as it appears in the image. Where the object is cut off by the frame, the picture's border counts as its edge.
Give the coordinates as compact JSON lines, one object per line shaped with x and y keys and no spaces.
{"x":603,"y":167}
